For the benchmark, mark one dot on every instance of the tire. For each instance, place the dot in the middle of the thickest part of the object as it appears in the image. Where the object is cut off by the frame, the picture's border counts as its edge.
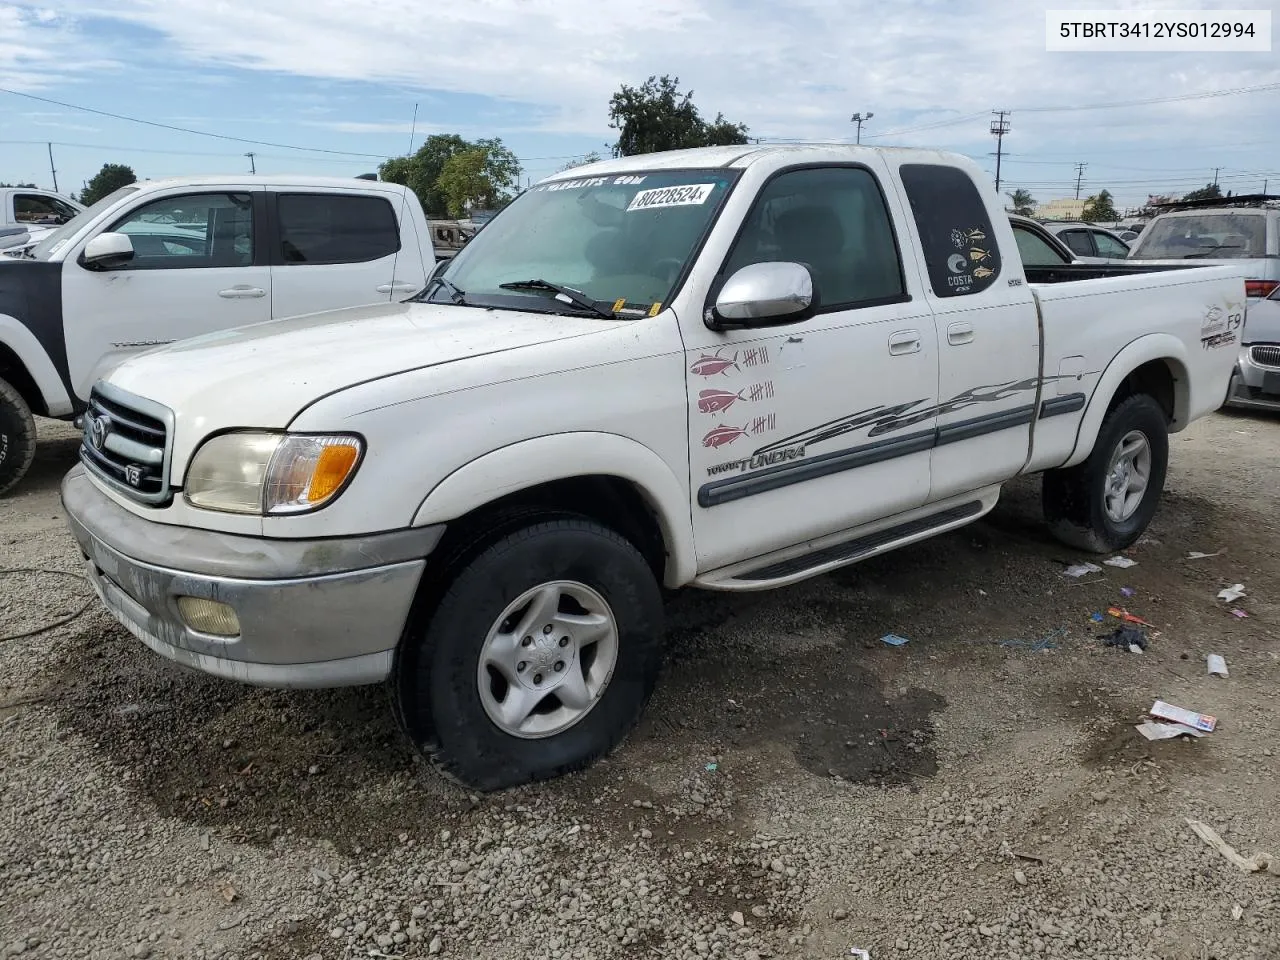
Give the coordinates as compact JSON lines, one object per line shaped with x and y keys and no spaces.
{"x":1076,"y":498}
{"x":458,"y":724}
{"x":17,"y":437}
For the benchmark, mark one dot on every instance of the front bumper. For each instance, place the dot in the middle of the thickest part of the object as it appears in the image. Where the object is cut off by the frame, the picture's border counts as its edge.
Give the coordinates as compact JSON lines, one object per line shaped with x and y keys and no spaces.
{"x":313,"y":613}
{"x":1254,"y":386}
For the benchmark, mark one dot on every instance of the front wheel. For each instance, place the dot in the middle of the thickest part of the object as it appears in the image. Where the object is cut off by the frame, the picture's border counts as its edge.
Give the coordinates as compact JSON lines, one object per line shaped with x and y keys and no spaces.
{"x":1106,"y":502}
{"x":538,"y":659}
{"x":17,"y":437}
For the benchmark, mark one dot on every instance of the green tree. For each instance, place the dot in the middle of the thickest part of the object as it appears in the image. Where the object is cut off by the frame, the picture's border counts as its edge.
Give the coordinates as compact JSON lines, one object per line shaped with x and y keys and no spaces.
{"x":1210,"y":191}
{"x":1024,"y":204}
{"x":480,"y":177}
{"x":1099,"y":208}
{"x":657,"y":116}
{"x":109,"y":179}
{"x":421,"y":172}
{"x":591,"y":157}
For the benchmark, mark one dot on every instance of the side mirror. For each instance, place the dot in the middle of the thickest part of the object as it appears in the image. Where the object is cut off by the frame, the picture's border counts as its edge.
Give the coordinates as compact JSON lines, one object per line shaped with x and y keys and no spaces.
{"x":763,"y":295}
{"x":107,"y":250}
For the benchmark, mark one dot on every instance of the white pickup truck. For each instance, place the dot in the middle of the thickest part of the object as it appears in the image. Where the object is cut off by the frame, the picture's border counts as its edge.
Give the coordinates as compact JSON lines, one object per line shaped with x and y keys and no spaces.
{"x":28,"y":213}
{"x":731,"y":368}
{"x":164,"y":260}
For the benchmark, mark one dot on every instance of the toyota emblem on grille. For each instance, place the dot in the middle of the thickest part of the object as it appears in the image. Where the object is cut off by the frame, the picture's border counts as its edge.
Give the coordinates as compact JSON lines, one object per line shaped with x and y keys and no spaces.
{"x":99,"y":427}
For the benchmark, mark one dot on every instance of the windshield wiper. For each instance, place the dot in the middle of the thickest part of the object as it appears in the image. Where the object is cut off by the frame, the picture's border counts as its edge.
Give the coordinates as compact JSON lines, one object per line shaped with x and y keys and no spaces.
{"x":568,"y":294}
{"x":455,"y":295}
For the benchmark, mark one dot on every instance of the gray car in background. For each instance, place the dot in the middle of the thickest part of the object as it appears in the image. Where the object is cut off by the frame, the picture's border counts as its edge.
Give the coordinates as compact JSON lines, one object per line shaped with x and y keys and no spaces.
{"x":1255,"y":384}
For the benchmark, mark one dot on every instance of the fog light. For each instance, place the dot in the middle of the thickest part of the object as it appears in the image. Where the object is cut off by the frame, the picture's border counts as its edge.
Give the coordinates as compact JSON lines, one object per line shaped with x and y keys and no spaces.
{"x":209,"y":616}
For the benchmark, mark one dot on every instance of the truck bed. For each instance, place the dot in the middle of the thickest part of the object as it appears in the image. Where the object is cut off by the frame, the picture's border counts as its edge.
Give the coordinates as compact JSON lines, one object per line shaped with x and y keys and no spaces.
{"x":1067,"y":272}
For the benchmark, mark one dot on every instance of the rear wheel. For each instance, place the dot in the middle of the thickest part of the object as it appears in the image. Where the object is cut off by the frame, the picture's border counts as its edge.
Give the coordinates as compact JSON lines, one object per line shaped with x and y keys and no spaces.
{"x":1106,"y":502}
{"x":537,"y":660}
{"x":17,"y":437}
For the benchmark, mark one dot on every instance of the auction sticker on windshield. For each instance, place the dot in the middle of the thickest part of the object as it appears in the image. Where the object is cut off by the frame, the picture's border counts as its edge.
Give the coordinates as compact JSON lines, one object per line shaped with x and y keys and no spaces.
{"x":688,"y":195}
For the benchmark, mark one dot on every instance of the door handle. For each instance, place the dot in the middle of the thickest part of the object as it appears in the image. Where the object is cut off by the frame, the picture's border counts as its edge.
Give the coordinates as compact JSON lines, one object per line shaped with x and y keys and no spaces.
{"x":904,"y":341}
{"x":959,"y":333}
{"x":242,"y":291}
{"x":397,"y":285}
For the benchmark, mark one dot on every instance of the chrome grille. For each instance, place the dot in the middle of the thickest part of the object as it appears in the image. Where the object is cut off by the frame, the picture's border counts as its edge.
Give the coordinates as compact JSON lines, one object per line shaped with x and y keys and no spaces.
{"x":1265,"y":355}
{"x":126,"y":443}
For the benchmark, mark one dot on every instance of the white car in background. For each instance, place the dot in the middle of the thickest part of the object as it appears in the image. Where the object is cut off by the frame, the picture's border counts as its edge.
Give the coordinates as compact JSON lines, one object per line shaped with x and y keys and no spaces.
{"x":1089,"y":242}
{"x":28,"y":213}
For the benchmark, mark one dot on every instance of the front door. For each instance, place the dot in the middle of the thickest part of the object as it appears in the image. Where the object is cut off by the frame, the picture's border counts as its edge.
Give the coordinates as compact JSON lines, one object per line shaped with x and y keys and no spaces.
{"x":988,"y":331}
{"x":197,"y":267}
{"x":813,"y":427}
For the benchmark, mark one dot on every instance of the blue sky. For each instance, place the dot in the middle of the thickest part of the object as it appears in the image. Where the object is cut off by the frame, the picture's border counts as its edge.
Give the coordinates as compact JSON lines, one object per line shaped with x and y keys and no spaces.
{"x":345,"y":76}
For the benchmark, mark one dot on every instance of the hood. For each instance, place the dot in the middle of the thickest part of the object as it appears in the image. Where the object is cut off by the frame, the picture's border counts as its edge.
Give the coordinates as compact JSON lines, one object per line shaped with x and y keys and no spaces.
{"x":263,"y":375}
{"x":1262,"y":322}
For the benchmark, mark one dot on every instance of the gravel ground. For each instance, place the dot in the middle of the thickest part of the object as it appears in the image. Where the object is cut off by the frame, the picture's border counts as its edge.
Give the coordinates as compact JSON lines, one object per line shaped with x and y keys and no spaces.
{"x":797,"y":788}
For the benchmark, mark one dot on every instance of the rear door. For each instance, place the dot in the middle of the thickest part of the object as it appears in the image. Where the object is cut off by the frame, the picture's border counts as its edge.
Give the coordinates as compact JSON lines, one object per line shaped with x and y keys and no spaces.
{"x":1079,"y":241}
{"x":1108,"y":246}
{"x":332,"y":249}
{"x":988,"y":331}
{"x":198,"y":266}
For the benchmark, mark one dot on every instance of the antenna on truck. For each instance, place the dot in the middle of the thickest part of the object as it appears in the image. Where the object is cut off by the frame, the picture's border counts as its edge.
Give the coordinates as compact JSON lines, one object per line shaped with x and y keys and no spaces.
{"x":404,"y":200}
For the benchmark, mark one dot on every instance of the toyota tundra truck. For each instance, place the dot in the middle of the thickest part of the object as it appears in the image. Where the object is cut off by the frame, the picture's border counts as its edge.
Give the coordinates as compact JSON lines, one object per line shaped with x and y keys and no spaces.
{"x":730,"y":368}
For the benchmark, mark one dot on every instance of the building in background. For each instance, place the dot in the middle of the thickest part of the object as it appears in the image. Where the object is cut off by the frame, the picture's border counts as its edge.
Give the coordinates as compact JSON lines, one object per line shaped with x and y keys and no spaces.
{"x":1068,"y":209}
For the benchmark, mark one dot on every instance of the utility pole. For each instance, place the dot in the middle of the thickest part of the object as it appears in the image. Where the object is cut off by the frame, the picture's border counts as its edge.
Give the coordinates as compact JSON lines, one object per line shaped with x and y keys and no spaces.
{"x":55,"y":172}
{"x":1079,"y":177}
{"x":859,"y":118}
{"x":1215,"y":175}
{"x":999,"y":127}
{"x":253,"y":167}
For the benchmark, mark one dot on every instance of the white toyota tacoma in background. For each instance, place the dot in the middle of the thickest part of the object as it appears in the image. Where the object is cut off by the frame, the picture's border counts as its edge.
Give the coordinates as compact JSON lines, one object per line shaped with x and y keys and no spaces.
{"x":164,"y":260}
{"x":731,"y":368}
{"x":28,"y":213}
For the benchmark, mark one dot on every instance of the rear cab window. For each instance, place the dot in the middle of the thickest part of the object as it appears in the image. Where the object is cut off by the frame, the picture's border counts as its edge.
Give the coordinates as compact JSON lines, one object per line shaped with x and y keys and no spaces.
{"x":960,"y":251}
{"x":1218,"y":234}
{"x":329,"y":228}
{"x":1034,"y":250}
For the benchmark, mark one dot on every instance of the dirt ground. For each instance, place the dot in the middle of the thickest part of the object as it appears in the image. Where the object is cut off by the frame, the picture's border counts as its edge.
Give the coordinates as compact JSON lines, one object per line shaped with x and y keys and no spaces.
{"x":797,"y":789}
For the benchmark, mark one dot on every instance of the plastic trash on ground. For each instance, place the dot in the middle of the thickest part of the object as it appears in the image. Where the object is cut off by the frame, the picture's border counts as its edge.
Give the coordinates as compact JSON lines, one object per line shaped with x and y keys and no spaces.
{"x":860,"y":953}
{"x":1082,"y":569}
{"x":1258,"y":862}
{"x":893,"y":640}
{"x":1167,"y":711}
{"x":1231,"y":594}
{"x":1124,"y":563}
{"x":1127,"y":638}
{"x":1197,"y":555}
{"x":1154,"y":730}
{"x":1217,"y":665}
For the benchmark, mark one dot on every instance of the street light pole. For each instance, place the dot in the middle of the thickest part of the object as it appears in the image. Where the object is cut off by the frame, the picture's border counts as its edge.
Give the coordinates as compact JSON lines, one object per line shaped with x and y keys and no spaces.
{"x":860,"y":118}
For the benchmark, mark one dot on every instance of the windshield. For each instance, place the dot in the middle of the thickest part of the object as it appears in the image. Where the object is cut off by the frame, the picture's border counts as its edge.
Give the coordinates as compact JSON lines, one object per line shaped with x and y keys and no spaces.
{"x":53,"y":241}
{"x":1217,"y":235}
{"x":623,"y":241}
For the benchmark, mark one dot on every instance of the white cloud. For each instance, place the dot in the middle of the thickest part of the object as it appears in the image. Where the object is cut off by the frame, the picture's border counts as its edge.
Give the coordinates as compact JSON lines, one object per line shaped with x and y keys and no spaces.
{"x":40,"y":47}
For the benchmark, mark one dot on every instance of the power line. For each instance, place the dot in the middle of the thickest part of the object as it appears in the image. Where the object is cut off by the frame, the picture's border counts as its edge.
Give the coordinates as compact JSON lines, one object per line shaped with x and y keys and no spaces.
{"x":198,"y":133}
{"x":1226,"y":92}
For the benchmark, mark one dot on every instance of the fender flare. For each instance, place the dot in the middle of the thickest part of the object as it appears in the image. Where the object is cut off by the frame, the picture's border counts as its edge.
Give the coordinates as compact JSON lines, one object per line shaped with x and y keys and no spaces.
{"x":23,"y":342}
{"x":1152,"y":346}
{"x":529,"y":463}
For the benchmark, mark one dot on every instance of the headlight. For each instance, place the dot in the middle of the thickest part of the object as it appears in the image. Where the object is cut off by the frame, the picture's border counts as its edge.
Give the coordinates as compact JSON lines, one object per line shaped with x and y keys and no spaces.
{"x":270,"y":473}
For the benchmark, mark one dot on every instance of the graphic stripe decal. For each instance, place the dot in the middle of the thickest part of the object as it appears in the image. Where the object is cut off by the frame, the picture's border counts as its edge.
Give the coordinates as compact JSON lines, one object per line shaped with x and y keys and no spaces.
{"x":988,"y":423}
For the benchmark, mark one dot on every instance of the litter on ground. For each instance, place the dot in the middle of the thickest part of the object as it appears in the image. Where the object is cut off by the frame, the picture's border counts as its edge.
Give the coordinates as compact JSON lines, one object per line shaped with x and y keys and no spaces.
{"x":1096,"y":617}
{"x":1231,"y":594}
{"x":1240,"y":613}
{"x":1127,"y":591}
{"x":1197,"y":555}
{"x":1167,"y":711}
{"x":1082,"y":569}
{"x":1217,"y":665}
{"x":1124,"y":563}
{"x":1035,"y":646}
{"x":1166,"y":731}
{"x":860,"y":953}
{"x":1128,"y":638}
{"x":893,"y":640}
{"x":1258,"y":862}
{"x":1120,"y":613}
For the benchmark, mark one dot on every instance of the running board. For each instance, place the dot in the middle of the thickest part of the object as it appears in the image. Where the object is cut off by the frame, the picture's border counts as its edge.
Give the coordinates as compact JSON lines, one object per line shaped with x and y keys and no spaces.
{"x":824,"y":559}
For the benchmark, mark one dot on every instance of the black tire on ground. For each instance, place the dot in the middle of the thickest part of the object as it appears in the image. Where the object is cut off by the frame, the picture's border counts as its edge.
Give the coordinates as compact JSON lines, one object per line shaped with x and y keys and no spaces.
{"x":435,"y":680}
{"x":1075,"y":498}
{"x":17,"y":437}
